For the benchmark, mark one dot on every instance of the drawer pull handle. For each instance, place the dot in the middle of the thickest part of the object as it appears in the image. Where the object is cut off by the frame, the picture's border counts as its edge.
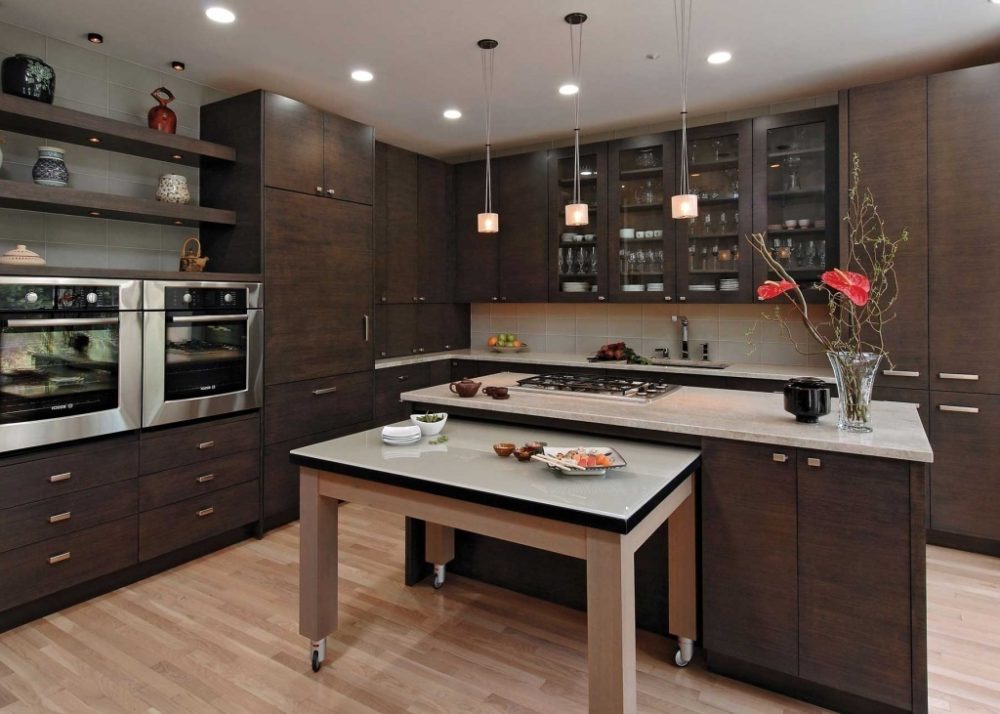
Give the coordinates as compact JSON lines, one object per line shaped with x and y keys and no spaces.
{"x":402,"y":377}
{"x":205,"y":512}
{"x":962,"y":410}
{"x":56,"y":518}
{"x":205,"y":478}
{"x":953,"y":375}
{"x":206,"y":445}
{"x":59,"y":558}
{"x":367,"y":332}
{"x":326,"y":390}
{"x":780,"y":458}
{"x":814,"y":462}
{"x":899,"y":373}
{"x":56,"y":478}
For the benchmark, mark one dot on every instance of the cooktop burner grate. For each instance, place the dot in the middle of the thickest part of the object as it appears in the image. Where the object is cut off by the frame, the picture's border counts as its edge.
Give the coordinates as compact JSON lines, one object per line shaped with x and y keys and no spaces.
{"x":637,"y":391}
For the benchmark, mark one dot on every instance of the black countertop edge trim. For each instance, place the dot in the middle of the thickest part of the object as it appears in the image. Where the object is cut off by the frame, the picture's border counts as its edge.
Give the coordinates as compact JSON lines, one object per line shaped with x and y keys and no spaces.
{"x":542,"y":510}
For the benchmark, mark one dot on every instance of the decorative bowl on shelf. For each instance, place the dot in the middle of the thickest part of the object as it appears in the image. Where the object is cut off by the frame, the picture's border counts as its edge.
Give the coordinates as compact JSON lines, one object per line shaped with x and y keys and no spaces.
{"x":21,"y":256}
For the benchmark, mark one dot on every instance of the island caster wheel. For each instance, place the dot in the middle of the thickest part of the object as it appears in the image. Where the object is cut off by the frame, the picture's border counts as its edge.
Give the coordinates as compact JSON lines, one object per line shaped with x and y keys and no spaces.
{"x":318,"y":654}
{"x":685,"y":652}
{"x":438,"y":577}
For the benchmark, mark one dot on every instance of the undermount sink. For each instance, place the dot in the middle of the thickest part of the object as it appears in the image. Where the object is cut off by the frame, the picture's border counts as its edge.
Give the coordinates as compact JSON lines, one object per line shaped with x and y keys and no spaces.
{"x":694,"y":364}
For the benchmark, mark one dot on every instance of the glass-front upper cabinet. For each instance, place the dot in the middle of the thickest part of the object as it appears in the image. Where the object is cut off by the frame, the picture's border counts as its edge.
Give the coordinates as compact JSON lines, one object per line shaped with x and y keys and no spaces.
{"x":641,"y":231}
{"x":713,"y":258}
{"x":578,"y":254}
{"x":796,"y":203}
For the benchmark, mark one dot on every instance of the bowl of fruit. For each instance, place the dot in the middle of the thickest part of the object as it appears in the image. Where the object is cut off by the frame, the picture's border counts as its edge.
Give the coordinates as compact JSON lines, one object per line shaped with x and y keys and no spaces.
{"x":506,"y":342}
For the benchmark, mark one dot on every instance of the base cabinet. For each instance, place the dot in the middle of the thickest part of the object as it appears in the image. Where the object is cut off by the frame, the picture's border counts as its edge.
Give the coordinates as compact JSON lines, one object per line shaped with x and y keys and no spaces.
{"x":393,"y":381}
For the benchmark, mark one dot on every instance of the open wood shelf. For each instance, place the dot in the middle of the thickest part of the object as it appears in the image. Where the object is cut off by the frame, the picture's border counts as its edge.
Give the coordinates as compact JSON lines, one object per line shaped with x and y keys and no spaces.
{"x":32,"y":197}
{"x":59,"y":124}
{"x":123,"y":273}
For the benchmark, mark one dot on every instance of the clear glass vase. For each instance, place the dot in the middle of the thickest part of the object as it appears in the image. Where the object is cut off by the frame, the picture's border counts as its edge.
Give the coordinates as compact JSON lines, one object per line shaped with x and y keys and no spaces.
{"x":855,"y":374}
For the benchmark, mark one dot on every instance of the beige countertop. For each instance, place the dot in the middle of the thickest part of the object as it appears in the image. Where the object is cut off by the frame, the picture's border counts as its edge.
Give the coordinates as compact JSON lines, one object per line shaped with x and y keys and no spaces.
{"x":717,"y":413}
{"x":556,"y":359}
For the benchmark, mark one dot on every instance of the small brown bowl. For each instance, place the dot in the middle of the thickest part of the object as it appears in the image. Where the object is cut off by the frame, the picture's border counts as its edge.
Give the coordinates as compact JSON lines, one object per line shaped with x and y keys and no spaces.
{"x":524,"y":454}
{"x":504,"y":450}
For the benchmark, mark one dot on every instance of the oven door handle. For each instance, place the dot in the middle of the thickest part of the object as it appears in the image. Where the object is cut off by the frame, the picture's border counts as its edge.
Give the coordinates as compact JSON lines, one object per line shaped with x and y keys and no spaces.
{"x":62,"y":322}
{"x":209,"y":318}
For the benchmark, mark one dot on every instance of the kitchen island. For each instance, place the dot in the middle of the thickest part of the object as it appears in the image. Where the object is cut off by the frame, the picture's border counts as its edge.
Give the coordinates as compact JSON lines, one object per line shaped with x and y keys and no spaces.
{"x":811,"y":539}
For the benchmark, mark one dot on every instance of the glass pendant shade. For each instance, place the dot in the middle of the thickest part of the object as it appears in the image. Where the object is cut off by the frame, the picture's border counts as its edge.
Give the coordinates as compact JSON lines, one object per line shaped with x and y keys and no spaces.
{"x":488,"y":222}
{"x":577,"y":214}
{"x":684,"y":205}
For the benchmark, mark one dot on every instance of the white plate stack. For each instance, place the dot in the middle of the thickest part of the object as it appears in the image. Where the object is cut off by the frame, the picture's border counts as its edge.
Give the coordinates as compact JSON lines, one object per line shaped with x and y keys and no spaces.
{"x":654,"y":287}
{"x":401,"y":435}
{"x":633,"y":288}
{"x":575,"y":287}
{"x":702,"y":288}
{"x":729,"y":284}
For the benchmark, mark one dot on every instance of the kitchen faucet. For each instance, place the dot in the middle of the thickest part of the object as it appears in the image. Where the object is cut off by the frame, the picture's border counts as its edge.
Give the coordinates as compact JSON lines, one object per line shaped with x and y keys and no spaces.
{"x":685,"y":354}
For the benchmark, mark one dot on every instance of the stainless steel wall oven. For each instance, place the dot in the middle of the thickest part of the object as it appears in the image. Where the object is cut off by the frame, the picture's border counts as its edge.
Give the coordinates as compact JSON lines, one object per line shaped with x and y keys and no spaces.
{"x":203,"y":348}
{"x":70,"y":359}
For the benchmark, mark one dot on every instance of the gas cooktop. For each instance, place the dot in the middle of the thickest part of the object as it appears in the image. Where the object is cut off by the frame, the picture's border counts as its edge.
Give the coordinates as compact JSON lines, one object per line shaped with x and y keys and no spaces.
{"x":632,"y":391}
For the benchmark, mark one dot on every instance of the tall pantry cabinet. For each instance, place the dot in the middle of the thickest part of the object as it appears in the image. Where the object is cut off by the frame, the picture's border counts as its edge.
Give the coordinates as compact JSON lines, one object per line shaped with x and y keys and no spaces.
{"x":304,"y":182}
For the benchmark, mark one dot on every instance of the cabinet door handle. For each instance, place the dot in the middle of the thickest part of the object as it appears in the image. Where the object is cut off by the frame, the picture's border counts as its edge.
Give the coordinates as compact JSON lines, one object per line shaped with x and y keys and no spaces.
{"x":447,"y":347}
{"x":403,"y":377}
{"x":961,"y":410}
{"x":953,"y":375}
{"x":668,"y":298}
{"x":495,"y":299}
{"x":814,"y":462}
{"x":899,"y":373}
{"x":420,"y":350}
{"x":414,"y":298}
{"x":59,"y":558}
{"x":206,"y":445}
{"x":601,"y":298}
{"x":330,"y":192}
{"x":367,"y":332}
{"x":205,"y":512}
{"x":780,"y":458}
{"x":56,"y":478}
{"x":422,"y":298}
{"x":205,"y":478}
{"x":325,"y":390}
{"x":682,"y":298}
{"x":319,"y":189}
{"x":58,"y":517}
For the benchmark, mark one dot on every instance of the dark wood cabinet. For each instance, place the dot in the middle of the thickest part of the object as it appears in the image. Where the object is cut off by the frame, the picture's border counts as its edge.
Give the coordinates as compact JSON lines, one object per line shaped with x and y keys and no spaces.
{"x":309,"y":151}
{"x":887,"y":128}
{"x":402,"y":240}
{"x":418,"y":329}
{"x":435,"y":230}
{"x":965,"y":479}
{"x":317,"y":287}
{"x":963,"y":114}
{"x":393,"y":381}
{"x":399,"y":325}
{"x":749,"y":573}
{"x":477,"y":262}
{"x":316,"y":405}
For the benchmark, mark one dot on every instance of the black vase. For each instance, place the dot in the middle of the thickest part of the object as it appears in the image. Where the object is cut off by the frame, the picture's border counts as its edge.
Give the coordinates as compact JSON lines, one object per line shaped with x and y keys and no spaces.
{"x":28,"y":77}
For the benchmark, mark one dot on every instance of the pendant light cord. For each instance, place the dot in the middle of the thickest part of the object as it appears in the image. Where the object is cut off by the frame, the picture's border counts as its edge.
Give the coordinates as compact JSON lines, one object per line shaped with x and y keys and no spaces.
{"x":576,"y":55}
{"x":682,"y":27}
{"x":487,"y":62}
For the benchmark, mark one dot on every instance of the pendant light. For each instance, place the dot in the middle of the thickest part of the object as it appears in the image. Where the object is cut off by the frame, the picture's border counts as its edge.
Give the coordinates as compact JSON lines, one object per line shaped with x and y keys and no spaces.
{"x":488,"y":221}
{"x":577,"y":213}
{"x":684,"y":204}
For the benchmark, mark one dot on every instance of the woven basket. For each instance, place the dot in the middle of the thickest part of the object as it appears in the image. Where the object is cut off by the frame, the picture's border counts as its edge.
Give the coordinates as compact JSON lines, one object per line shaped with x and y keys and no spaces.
{"x":192,"y":260}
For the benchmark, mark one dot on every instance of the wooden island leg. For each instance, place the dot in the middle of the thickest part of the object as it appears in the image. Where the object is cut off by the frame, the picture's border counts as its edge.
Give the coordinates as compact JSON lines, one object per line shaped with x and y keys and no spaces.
{"x":317,"y":564}
{"x":610,"y":624}
{"x":439,"y":550}
{"x":682,"y":591}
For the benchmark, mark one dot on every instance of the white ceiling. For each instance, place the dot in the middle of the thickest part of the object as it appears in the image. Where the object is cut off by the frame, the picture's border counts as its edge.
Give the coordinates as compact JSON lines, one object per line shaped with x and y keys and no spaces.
{"x":424,"y":56}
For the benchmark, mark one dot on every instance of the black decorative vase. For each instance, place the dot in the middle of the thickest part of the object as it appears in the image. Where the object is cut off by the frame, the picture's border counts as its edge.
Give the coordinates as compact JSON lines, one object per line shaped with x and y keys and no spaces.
{"x":28,"y":77}
{"x":807,"y":398}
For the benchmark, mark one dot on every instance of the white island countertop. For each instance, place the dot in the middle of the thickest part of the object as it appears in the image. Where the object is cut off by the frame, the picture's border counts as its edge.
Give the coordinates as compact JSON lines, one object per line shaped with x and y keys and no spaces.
{"x":716,"y":413}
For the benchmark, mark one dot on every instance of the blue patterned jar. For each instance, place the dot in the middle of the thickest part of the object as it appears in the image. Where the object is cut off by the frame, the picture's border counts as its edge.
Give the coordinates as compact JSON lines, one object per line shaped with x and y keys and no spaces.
{"x":50,"y":169}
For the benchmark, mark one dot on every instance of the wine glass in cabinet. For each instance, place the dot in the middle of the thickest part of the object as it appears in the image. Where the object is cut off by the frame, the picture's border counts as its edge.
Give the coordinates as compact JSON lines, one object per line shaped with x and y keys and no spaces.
{"x":713,"y":258}
{"x":578,"y":255}
{"x":640,"y":230}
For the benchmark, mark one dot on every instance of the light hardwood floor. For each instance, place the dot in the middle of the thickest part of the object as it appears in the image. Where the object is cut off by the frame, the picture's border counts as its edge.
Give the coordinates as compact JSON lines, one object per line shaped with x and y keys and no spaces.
{"x":220,"y":634}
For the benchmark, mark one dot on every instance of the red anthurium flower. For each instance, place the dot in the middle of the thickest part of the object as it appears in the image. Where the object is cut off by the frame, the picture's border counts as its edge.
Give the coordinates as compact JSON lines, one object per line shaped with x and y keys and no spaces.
{"x":774,"y":288}
{"x":854,"y":285}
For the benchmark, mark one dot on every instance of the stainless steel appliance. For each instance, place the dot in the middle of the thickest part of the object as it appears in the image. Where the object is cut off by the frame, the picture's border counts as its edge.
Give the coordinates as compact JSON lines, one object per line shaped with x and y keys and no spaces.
{"x":70,"y":359}
{"x":203,"y":347}
{"x":640,"y":390}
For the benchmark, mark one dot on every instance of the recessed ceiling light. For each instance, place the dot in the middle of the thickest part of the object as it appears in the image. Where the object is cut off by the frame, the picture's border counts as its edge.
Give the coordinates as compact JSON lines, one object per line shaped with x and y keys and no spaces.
{"x":452,"y":114}
{"x":720,"y":57}
{"x":220,"y":14}
{"x":94,"y":139}
{"x":568,"y":90}
{"x":653,"y":56}
{"x":178,"y":66}
{"x":95,"y":37}
{"x":362,"y":75}
{"x":176,"y":157}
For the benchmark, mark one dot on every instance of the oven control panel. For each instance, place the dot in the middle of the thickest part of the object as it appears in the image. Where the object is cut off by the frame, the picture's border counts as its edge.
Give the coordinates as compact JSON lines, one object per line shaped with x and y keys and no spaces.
{"x":58,"y":297}
{"x":205,"y":299}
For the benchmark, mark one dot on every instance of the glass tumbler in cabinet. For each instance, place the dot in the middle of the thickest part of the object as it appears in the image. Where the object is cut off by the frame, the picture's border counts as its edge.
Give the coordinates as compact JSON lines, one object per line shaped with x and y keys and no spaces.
{"x":640,"y":229}
{"x":797,"y":195}
{"x":578,"y":253}
{"x":713,"y":257}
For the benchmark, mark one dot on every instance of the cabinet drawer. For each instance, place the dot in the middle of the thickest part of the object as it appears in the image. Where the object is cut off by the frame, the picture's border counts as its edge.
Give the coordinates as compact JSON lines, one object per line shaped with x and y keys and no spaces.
{"x":52,"y":565}
{"x":316,"y":405}
{"x":166,"y":487}
{"x":171,"y":527}
{"x":66,"y":473}
{"x":41,"y":520}
{"x":197,"y":442}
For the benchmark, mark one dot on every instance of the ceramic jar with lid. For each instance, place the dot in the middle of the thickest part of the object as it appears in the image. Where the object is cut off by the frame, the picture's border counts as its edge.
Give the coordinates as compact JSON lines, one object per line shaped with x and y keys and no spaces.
{"x":173,"y":188}
{"x":28,"y":77}
{"x":21,"y":256}
{"x":50,"y":168}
